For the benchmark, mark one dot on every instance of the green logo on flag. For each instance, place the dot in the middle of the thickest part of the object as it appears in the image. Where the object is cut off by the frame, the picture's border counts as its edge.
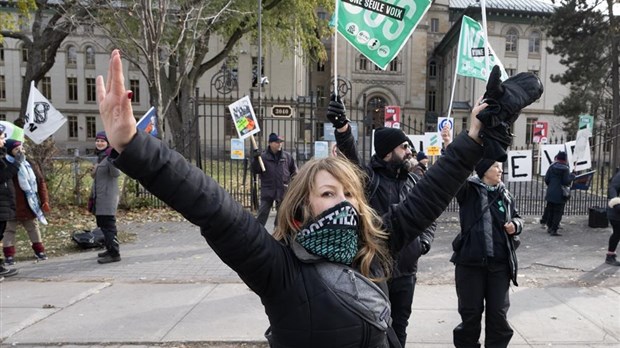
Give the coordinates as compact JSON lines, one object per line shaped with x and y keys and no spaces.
{"x":470,"y":59}
{"x":379,"y":29}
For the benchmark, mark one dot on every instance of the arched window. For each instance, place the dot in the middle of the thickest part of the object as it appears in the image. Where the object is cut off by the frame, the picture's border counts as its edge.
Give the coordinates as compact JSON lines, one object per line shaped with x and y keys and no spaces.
{"x":534,"y":42}
{"x":512,"y":37}
{"x":90,"y":55}
{"x":71,"y":55}
{"x":376,"y":111}
{"x":24,"y":54}
{"x":363,"y":62}
{"x":394,"y":65}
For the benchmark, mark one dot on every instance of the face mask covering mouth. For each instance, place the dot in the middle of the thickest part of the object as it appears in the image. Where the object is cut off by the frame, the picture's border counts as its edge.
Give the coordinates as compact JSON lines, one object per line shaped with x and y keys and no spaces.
{"x":333,"y":235}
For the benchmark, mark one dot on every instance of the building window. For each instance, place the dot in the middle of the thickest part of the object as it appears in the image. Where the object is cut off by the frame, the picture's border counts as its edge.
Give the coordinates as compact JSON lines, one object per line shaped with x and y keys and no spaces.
{"x":90,"y":55}
{"x":512,"y":37}
{"x":320,"y":66}
{"x":511,"y":72}
{"x":24,"y":55}
{"x":432,"y":100}
{"x":71,"y":55}
{"x":46,"y":87}
{"x":72,"y":126}
{"x":1,"y":53}
{"x":255,"y":68}
{"x":363,"y":63}
{"x":72,"y":89}
{"x":394,"y":65}
{"x":534,"y":42}
{"x":529,"y":129}
{"x":322,"y":15}
{"x":2,"y":88}
{"x":91,"y":90}
{"x":91,"y":127}
{"x":2,"y":117}
{"x":320,"y":96}
{"x":432,"y":69}
{"x":134,"y":86}
{"x":434,"y":25}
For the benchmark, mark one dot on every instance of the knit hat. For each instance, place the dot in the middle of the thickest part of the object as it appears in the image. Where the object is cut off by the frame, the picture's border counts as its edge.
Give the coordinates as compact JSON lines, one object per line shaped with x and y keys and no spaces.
{"x":483,"y":166}
{"x":561,"y":156}
{"x":420,"y":156}
{"x":273,"y":137}
{"x":101,"y":135}
{"x":11,"y":144}
{"x":387,"y":139}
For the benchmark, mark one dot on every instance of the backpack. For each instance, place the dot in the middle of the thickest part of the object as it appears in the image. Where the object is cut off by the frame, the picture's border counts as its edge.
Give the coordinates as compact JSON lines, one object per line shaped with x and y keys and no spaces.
{"x":360,"y":295}
{"x":89,"y":239}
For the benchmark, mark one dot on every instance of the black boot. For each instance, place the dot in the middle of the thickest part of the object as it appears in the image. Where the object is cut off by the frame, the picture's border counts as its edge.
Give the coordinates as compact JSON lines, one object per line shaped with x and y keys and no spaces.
{"x":109,"y":258}
{"x":611,"y":260}
{"x":554,"y":233}
{"x":103,"y":254}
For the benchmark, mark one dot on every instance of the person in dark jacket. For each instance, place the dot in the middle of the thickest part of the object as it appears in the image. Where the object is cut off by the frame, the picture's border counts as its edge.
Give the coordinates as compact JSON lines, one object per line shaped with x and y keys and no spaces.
{"x":279,"y":169}
{"x":31,"y":201}
{"x":324,"y":223}
{"x":422,"y":166}
{"x":7,"y":196}
{"x":485,"y":258}
{"x":104,"y":198}
{"x":558,"y":175}
{"x":389,"y":183}
{"x":613,"y":214}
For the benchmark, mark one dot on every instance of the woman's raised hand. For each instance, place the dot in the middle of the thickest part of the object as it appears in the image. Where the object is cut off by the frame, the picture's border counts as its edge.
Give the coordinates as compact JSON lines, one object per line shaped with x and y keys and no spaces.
{"x":115,"y":105}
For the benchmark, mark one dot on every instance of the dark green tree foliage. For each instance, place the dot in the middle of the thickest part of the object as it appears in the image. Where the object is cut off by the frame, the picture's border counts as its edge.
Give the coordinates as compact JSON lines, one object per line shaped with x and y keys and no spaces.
{"x":580,"y":36}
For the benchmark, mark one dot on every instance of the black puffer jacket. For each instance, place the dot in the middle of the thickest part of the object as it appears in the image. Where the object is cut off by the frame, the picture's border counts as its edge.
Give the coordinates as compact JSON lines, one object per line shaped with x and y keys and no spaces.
{"x":301,"y":311}
{"x":482,"y":215}
{"x":387,"y":186}
{"x":279,"y":169}
{"x":613,"y":191}
{"x":557,"y":175}
{"x":7,"y":191}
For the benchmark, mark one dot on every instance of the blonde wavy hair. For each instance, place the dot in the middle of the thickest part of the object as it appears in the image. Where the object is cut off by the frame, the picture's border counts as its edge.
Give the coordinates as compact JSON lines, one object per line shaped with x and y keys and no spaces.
{"x":294,"y":211}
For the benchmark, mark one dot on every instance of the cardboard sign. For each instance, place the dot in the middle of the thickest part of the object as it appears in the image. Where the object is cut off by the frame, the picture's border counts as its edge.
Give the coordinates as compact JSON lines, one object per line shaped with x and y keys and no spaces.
{"x":237,"y":149}
{"x":519,"y":166}
{"x":392,"y":116}
{"x":540,"y":132}
{"x":243,"y":117}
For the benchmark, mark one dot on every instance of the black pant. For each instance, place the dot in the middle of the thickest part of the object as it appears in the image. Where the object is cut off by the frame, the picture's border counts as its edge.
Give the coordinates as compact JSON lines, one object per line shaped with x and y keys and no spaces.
{"x":545,"y":217}
{"x":265,"y":208}
{"x":476,"y":286}
{"x":556,"y":210}
{"x":401,"y":298}
{"x":107,"y":223}
{"x":2,"y":228}
{"x":615,"y":236}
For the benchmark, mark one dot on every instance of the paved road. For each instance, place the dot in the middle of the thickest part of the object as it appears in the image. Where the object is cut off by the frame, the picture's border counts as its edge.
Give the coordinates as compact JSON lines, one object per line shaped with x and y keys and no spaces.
{"x":172,"y":290}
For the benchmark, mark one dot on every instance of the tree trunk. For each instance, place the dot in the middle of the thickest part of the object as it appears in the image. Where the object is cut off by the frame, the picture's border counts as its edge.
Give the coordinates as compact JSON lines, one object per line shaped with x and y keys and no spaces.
{"x":615,"y":89}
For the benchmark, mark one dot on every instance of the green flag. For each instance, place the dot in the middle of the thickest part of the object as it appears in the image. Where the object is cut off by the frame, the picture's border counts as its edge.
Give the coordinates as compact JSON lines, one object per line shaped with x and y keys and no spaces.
{"x":11,"y":131}
{"x":470,"y":60}
{"x":379,"y":29}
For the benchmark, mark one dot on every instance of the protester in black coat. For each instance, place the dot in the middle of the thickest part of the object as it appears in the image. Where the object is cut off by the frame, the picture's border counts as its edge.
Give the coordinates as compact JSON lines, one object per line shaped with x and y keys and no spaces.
{"x":389,"y":182}
{"x":485,"y":258}
{"x":280,"y":167}
{"x":613,"y":214}
{"x":7,"y":196}
{"x":324,"y":200}
{"x":558,"y":175}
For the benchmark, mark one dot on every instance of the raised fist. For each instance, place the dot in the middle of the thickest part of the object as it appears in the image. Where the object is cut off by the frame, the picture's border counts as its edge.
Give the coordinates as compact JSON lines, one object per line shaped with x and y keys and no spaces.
{"x":336,"y":112}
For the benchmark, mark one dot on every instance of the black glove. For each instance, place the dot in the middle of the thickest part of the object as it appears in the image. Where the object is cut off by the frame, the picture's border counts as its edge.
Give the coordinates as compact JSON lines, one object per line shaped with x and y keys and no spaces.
{"x":255,"y":153}
{"x":505,"y":101}
{"x":336,"y":112}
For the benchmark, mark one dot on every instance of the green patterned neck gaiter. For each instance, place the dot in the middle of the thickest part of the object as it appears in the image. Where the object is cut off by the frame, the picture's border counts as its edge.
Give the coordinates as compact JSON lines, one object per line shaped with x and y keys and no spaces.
{"x":333,"y":234}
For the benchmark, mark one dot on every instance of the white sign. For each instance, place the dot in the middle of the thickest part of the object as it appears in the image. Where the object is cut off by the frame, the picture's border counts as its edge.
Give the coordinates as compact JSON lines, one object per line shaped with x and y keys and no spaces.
{"x":432,"y":140}
{"x":321,"y":149}
{"x":579,"y":159}
{"x":446,"y":121}
{"x":418,"y":142}
{"x":237,"y":149}
{"x":520,"y":165}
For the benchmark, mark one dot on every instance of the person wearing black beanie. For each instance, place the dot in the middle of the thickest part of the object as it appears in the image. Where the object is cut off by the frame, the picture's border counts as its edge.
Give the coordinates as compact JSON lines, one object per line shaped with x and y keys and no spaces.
{"x":390,"y":180}
{"x":484,"y":256}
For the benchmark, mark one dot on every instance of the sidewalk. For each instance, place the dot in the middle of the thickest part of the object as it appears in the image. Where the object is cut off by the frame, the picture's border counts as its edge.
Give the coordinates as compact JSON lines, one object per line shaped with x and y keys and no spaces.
{"x":172,"y":290}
